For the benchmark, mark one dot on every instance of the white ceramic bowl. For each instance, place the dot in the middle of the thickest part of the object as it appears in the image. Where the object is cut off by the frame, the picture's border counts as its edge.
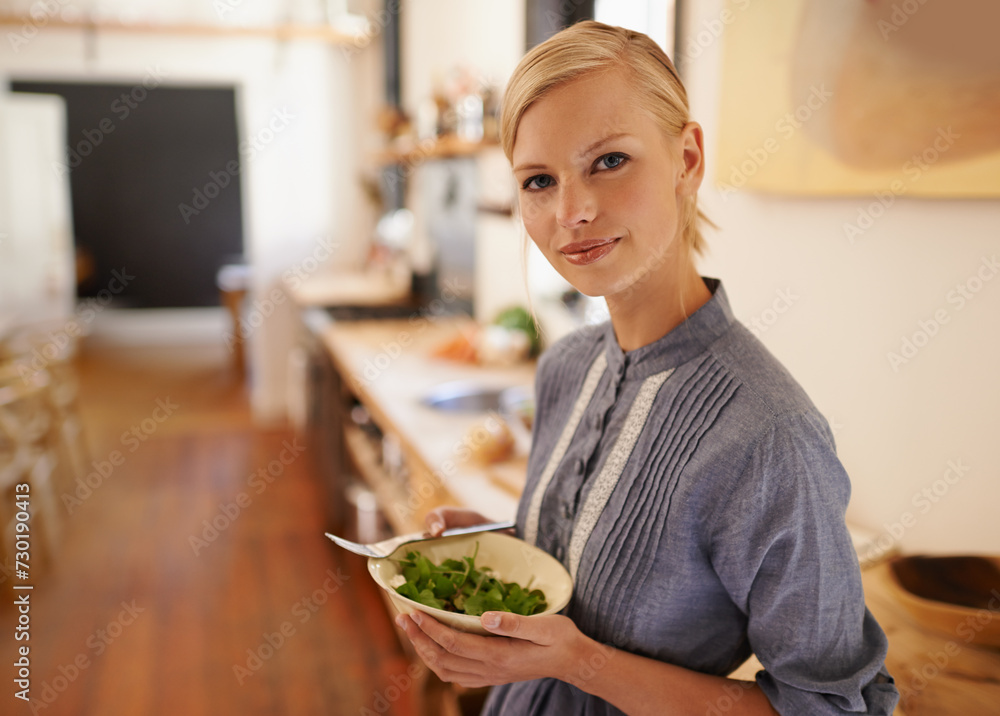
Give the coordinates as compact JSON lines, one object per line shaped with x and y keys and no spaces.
{"x":513,"y":559}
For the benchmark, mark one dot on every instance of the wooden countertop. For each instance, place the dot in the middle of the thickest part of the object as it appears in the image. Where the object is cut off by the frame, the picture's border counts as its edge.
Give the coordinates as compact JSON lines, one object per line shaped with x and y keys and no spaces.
{"x":389,"y":368}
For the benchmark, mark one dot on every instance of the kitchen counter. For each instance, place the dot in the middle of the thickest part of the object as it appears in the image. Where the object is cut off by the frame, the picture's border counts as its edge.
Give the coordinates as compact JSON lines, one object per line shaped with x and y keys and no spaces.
{"x":388,"y":366}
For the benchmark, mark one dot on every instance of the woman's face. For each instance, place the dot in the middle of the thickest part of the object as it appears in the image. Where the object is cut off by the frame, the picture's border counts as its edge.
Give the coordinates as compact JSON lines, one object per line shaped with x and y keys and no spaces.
{"x":601,"y":185}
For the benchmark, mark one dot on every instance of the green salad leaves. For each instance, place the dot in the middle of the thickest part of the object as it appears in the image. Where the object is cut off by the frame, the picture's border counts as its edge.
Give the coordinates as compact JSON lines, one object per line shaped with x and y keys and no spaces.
{"x":459,"y":586}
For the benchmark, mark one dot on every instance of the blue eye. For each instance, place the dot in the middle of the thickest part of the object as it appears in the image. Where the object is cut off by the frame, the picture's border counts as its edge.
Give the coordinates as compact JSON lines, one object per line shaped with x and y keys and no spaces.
{"x":613,"y":160}
{"x":542,"y":181}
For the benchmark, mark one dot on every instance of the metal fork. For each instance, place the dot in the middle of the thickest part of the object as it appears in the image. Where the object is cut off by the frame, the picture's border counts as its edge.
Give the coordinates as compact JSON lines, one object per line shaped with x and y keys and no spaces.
{"x":381,"y":550}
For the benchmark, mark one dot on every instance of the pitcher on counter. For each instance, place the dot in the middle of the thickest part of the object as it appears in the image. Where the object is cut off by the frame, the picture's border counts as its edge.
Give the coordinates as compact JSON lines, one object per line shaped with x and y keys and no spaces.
{"x":677,"y":470}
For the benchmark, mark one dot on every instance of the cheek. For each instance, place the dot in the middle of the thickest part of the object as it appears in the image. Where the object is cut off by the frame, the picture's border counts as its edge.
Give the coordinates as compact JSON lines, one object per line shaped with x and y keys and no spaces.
{"x":646,"y":202}
{"x":538,"y":216}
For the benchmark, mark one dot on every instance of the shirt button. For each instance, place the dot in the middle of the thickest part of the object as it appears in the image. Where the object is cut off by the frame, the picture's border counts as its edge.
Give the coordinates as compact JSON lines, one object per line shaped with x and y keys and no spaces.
{"x":579,"y":466}
{"x":560,"y":553}
{"x":567,"y":510}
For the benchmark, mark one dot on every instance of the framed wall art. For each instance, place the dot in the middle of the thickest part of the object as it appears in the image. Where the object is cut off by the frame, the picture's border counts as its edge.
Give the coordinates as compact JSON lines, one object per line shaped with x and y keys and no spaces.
{"x":850,"y":97}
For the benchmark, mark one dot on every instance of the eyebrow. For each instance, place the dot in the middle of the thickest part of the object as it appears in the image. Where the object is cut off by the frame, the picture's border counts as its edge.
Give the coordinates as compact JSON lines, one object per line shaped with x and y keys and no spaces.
{"x":600,"y":142}
{"x":590,"y":149}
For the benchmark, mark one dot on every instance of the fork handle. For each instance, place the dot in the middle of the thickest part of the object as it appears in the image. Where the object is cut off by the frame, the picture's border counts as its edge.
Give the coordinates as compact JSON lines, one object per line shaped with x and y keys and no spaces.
{"x":485,"y":527}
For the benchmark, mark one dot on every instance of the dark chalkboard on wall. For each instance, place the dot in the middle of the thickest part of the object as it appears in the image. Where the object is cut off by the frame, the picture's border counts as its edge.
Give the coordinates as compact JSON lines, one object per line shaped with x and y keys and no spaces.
{"x":155,"y":181}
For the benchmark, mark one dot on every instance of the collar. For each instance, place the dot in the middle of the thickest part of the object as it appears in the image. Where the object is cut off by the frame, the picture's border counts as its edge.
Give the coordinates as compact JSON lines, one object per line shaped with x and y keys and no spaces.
{"x":684,"y":342}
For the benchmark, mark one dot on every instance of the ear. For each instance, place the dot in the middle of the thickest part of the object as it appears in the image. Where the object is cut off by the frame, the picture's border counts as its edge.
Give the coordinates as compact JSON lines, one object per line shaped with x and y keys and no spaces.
{"x":692,"y":166}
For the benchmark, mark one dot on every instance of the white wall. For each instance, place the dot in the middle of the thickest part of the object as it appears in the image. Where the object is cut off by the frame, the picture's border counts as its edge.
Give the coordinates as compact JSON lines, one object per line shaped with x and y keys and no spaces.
{"x":653,"y":17}
{"x":300,"y":188}
{"x":36,"y":241}
{"x":438,"y":36}
{"x":897,"y":430}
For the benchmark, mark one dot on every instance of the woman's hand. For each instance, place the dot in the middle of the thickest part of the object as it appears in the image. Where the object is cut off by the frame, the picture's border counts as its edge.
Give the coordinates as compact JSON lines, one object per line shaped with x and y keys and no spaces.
{"x":442,"y":518}
{"x":524,"y":648}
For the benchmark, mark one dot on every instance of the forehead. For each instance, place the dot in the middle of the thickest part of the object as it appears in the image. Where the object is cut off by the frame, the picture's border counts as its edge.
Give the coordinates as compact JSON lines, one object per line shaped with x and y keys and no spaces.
{"x":580,"y":112}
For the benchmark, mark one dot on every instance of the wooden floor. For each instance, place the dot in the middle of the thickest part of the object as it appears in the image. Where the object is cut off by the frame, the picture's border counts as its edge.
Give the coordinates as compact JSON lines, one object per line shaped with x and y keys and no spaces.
{"x":267,"y":618}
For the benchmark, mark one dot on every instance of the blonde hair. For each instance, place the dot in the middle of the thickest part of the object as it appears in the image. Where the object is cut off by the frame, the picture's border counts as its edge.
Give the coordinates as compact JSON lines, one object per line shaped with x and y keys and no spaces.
{"x":590,"y":46}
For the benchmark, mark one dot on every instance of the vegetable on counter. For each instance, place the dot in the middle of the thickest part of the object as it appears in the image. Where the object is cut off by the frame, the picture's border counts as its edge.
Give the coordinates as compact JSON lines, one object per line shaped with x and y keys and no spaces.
{"x":460,"y":348}
{"x":459,"y":586}
{"x":517,"y":318}
{"x":490,"y":441}
{"x":511,"y":338}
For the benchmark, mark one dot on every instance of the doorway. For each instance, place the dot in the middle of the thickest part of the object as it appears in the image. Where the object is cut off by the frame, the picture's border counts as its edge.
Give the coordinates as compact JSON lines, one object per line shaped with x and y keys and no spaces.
{"x":155,"y":184}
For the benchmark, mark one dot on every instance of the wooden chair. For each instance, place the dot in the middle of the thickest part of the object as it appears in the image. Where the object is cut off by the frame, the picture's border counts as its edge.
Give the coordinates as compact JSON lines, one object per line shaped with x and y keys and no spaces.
{"x":234,"y":281}
{"x":27,"y":456}
{"x":31,"y":348}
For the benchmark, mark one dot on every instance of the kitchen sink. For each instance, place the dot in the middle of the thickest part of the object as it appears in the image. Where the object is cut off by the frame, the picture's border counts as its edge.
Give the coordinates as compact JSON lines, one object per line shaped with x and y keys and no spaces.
{"x":462,"y":396}
{"x":472,"y":397}
{"x":514,"y":405}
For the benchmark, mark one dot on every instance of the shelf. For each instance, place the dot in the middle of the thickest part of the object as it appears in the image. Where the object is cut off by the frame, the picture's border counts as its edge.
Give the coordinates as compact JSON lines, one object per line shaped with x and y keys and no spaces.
{"x":440,"y":148}
{"x":387,"y":491}
{"x":323,"y":33}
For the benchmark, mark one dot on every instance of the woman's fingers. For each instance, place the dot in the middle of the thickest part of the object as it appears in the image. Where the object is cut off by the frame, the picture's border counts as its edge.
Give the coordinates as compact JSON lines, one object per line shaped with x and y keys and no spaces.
{"x":441,"y":518}
{"x":521,"y":648}
{"x":540,"y":630}
{"x":445,"y":660}
{"x":455,"y":643}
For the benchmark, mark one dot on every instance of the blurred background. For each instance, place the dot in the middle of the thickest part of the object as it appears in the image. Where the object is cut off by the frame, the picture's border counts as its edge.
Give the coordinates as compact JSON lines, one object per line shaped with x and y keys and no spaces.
{"x":261,"y":278}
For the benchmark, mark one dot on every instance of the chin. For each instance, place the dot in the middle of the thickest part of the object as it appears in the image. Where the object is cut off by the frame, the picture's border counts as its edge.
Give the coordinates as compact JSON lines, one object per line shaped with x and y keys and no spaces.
{"x":586,"y":280}
{"x":591,"y":293}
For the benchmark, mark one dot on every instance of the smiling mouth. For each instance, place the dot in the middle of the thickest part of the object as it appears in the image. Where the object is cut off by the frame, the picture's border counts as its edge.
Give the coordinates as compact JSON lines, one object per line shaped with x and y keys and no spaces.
{"x":587,"y":252}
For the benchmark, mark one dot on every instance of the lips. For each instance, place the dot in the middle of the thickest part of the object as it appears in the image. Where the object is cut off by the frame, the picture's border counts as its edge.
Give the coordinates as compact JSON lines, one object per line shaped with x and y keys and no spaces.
{"x":589,"y":251}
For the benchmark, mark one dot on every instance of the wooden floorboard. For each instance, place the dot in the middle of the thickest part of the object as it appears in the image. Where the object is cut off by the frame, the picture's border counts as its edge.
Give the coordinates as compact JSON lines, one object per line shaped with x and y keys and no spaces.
{"x":161,"y":628}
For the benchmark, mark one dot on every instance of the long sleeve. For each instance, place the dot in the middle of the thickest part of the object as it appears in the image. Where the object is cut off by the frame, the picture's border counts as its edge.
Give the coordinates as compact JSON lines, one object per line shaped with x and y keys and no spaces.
{"x":781,"y":549}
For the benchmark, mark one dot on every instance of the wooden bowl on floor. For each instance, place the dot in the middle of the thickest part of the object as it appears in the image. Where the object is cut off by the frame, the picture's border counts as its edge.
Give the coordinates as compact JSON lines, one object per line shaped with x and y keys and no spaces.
{"x":957,"y":597}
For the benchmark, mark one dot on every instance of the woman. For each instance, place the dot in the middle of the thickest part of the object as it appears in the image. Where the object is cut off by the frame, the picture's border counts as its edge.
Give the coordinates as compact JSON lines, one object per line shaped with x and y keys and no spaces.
{"x":677,"y":470}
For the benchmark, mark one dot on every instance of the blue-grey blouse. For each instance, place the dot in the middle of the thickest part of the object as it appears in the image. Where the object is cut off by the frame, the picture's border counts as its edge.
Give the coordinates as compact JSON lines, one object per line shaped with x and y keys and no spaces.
{"x":693,"y":491}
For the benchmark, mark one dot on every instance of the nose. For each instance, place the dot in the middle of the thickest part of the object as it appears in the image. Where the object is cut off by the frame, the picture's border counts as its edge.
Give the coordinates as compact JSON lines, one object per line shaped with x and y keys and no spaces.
{"x":577,"y":205}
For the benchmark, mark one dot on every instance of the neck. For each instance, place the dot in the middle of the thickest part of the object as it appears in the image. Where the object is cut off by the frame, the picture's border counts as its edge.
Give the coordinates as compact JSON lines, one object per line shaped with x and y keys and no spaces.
{"x":650,"y":309}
